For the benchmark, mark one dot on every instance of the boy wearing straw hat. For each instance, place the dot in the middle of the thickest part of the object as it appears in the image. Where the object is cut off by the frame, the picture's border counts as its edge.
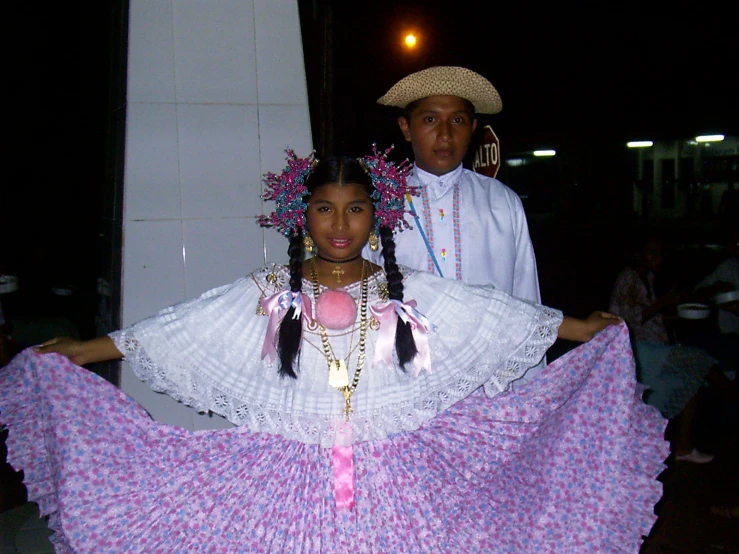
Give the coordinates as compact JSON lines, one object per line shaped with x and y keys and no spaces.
{"x":468,"y":227}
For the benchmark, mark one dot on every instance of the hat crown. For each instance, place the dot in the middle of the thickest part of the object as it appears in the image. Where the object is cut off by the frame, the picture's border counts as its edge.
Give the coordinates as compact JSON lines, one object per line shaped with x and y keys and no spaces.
{"x":443,"y":80}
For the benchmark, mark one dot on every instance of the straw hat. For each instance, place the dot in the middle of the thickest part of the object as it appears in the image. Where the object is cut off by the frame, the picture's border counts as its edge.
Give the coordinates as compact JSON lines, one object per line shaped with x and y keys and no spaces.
{"x":445,"y":80}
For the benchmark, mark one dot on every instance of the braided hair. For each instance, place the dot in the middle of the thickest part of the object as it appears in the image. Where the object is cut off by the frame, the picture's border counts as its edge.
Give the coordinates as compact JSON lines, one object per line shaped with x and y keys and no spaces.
{"x":342,"y":170}
{"x":291,"y":329}
{"x":405,"y":345}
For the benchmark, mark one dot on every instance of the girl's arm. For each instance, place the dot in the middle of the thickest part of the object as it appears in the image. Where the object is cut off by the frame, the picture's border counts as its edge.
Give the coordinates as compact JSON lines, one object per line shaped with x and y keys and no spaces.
{"x":81,"y":352}
{"x":582,"y":330}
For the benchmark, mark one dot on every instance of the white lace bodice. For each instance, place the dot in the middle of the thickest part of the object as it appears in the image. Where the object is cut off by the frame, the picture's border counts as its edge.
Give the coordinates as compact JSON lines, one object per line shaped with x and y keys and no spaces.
{"x":206,"y":353}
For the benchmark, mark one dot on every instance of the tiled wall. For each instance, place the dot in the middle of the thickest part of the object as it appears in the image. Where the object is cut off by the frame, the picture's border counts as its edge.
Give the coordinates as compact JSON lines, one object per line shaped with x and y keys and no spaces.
{"x":215,"y":92}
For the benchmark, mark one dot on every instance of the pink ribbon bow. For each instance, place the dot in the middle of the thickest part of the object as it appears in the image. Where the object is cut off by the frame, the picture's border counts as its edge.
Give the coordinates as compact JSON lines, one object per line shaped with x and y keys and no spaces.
{"x":276,"y":306}
{"x":387,"y":313}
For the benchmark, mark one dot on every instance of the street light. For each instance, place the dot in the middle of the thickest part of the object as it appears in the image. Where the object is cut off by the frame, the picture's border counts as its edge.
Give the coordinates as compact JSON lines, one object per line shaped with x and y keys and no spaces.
{"x":709,"y":138}
{"x":544,"y":153}
{"x":639,"y":144}
{"x":410,"y":40}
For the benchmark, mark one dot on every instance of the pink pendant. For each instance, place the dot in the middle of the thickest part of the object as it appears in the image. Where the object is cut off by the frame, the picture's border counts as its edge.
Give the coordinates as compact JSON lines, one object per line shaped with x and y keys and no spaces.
{"x":336,"y":309}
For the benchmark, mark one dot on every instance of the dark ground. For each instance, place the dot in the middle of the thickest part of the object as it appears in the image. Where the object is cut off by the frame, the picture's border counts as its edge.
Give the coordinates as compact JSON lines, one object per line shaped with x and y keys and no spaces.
{"x":686,"y":524}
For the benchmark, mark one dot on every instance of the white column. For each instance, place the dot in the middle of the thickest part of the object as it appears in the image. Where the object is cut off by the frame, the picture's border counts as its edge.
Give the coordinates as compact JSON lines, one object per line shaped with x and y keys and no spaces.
{"x":216,"y":91}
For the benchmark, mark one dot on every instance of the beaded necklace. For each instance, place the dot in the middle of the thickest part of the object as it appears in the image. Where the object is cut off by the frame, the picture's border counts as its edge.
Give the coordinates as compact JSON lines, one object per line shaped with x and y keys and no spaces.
{"x":337,"y":368}
{"x":456,"y":225}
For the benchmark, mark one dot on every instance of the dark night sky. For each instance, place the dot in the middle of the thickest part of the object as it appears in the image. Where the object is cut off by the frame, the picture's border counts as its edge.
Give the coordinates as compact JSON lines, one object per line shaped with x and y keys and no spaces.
{"x":590,"y":77}
{"x":583,"y":76}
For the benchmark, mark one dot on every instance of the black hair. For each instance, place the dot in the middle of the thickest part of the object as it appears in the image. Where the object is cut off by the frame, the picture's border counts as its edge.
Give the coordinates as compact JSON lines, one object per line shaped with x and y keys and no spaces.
{"x":339,"y":169}
{"x":405,"y":346}
{"x":291,"y":330}
{"x":410,"y":107}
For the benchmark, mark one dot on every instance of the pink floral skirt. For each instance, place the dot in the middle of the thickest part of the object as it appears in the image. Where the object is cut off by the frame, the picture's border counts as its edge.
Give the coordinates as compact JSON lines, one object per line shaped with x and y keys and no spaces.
{"x":567,"y":463}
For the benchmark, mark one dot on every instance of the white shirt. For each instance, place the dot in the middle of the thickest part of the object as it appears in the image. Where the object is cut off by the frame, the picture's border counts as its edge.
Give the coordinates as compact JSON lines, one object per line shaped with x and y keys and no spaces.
{"x":495,"y":243}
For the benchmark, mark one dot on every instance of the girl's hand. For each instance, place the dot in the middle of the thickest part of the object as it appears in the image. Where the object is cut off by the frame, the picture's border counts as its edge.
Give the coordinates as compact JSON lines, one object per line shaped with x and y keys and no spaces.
{"x":582,"y":330}
{"x":597,"y":321}
{"x":80,"y":352}
{"x":71,"y":348}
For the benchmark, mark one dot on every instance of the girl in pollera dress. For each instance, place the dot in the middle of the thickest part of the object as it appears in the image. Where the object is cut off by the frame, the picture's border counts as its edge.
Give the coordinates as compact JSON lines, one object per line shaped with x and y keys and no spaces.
{"x":372,"y":406}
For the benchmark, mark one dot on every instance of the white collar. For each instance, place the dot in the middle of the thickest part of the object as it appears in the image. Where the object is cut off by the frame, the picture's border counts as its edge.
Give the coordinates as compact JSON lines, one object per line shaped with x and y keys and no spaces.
{"x":438,"y":185}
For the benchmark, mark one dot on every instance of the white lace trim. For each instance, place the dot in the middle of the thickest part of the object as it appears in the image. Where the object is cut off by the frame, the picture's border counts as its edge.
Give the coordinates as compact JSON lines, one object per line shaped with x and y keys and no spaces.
{"x":206,"y":353}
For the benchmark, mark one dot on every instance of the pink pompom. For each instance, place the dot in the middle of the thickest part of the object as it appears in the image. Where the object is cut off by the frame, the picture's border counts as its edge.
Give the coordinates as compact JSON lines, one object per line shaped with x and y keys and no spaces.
{"x":336,"y":309}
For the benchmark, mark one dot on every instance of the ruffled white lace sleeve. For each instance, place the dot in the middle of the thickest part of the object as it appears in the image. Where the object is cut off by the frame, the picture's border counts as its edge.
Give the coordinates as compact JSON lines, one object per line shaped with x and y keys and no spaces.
{"x":206,"y":353}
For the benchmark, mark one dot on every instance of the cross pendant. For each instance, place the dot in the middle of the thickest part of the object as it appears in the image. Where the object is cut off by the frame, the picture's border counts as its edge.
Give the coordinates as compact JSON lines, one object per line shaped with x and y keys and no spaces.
{"x":347,"y":397}
{"x":338,"y":272}
{"x":347,"y":409}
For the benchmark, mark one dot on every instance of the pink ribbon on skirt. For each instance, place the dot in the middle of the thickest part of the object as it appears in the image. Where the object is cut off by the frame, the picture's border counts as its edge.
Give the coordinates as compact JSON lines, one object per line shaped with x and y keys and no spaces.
{"x":342,"y":460}
{"x":387,"y":313}
{"x":276,"y":306}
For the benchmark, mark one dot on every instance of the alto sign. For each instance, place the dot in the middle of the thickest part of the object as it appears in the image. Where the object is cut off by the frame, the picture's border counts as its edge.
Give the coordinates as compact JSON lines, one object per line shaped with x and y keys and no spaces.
{"x":487,"y":157}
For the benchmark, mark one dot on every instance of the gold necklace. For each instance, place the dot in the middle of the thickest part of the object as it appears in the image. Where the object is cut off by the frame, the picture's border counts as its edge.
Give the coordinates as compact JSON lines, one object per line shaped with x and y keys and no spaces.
{"x":338,"y":375}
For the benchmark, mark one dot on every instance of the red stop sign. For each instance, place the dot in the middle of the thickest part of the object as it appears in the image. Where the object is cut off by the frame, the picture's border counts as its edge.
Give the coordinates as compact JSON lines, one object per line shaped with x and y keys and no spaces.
{"x":487,"y":157}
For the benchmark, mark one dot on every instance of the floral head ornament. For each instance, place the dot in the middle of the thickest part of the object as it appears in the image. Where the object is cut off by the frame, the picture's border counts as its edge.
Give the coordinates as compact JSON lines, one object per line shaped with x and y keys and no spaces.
{"x":288,"y":191}
{"x":391,"y":185}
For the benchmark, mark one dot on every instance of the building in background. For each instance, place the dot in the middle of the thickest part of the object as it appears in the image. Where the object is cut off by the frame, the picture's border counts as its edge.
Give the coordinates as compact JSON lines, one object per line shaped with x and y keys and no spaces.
{"x":687,"y":177}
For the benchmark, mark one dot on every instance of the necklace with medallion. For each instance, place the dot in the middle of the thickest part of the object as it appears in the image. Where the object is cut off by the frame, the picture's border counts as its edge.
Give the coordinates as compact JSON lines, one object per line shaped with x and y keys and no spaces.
{"x":338,"y":374}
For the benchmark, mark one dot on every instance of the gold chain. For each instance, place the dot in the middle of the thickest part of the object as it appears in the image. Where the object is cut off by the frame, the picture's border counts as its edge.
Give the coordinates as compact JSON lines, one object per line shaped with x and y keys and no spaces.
{"x":353,"y":346}
{"x":348,"y":390}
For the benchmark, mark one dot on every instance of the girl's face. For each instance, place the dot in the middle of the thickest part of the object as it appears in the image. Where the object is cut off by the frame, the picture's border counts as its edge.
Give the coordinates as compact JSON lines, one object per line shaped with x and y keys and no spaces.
{"x":340,"y":219}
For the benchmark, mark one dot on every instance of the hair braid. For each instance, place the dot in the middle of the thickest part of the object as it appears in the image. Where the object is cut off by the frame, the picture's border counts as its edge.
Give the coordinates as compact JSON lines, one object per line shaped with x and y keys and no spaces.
{"x":291,"y":330}
{"x":405,"y":346}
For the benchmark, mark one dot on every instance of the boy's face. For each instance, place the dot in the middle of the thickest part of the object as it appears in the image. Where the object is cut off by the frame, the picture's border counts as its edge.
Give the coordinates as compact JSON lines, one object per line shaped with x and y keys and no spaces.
{"x":440,"y":131}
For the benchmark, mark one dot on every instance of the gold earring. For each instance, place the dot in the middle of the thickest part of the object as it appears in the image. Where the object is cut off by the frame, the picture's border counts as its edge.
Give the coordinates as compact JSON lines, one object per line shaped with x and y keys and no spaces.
{"x":374,"y":242}
{"x":309,"y":245}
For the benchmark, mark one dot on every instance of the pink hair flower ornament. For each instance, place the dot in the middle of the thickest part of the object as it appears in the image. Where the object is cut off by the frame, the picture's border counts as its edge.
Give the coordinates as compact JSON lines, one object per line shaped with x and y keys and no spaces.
{"x":391,"y":186}
{"x":287,"y":190}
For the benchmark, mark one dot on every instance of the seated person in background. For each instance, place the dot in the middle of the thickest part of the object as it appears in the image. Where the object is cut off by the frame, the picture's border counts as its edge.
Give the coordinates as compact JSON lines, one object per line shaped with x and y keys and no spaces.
{"x":724,"y":344}
{"x":724,"y":278}
{"x":673,"y":373}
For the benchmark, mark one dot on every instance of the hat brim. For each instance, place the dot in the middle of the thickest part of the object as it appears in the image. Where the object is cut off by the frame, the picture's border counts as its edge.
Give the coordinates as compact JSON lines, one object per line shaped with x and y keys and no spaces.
{"x":445,"y":81}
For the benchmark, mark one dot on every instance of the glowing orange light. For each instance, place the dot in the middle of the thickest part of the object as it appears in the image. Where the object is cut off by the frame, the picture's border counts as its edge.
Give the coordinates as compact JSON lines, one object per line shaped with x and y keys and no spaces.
{"x":410,"y":41}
